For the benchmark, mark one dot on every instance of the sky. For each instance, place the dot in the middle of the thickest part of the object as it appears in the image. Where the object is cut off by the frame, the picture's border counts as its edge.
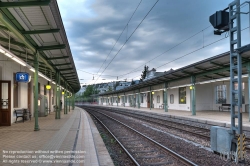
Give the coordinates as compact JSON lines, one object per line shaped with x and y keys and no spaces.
{"x":161,"y":34}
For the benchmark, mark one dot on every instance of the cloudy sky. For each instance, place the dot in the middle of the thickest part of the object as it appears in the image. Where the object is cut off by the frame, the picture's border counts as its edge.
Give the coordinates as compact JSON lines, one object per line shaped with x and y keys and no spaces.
{"x":158,"y":35}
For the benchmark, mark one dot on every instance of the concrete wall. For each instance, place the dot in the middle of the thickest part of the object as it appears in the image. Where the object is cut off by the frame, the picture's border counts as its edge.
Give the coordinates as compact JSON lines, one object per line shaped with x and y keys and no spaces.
{"x":205,"y":96}
{"x":7,"y":68}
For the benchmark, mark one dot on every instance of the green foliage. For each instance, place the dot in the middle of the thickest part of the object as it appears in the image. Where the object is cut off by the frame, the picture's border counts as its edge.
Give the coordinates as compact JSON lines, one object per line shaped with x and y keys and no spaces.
{"x":132,"y":82}
{"x":144,"y":73}
{"x":110,"y":89}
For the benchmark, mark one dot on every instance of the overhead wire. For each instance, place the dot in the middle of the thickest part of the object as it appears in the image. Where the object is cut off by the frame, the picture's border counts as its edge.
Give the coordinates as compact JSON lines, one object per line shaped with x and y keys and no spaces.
{"x":119,"y":36}
{"x":195,"y":50}
{"x":134,"y":70}
{"x":201,"y":31}
{"x":129,"y":37}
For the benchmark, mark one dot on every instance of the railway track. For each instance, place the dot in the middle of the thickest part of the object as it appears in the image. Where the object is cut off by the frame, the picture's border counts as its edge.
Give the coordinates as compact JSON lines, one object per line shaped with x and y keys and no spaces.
{"x":200,"y":132}
{"x":183,"y":127}
{"x":142,"y":149}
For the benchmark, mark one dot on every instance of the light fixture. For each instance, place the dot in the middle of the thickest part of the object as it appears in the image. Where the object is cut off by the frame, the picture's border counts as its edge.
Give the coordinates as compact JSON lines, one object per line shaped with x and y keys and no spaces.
{"x":153,"y":92}
{"x":48,"y":86}
{"x":19,"y":61}
{"x":8,"y":55}
{"x":2,"y":51}
{"x":191,"y":87}
{"x":32,"y":70}
{"x":63,"y":92}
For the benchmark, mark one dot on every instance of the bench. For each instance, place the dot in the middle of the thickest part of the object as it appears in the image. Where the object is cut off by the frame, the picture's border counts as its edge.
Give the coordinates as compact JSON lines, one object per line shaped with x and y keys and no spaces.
{"x":161,"y":106}
{"x":225,"y":106}
{"x":23,"y":113}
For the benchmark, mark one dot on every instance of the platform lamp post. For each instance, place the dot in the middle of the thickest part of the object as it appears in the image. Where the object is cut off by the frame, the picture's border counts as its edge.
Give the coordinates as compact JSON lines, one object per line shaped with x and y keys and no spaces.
{"x":36,"y":128}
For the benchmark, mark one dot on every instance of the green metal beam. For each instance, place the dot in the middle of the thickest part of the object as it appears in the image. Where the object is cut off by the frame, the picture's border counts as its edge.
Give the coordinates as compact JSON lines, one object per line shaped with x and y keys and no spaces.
{"x":221,"y":75}
{"x":200,"y":68}
{"x":245,"y":59}
{"x":12,"y":24}
{"x":40,"y":31}
{"x":74,"y":78}
{"x":24,"y":4}
{"x":63,"y":64}
{"x":217,"y":64}
{"x":208,"y":76}
{"x":176,"y":75}
{"x":186,"y":72}
{"x":61,"y":57}
{"x":6,"y":40}
{"x":54,"y":47}
{"x":68,"y":73}
{"x":65,"y":69}
{"x":4,"y":27}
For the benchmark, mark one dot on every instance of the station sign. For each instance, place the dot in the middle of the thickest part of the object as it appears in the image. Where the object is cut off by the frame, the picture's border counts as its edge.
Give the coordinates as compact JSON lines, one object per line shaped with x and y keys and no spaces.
{"x":22,"y":77}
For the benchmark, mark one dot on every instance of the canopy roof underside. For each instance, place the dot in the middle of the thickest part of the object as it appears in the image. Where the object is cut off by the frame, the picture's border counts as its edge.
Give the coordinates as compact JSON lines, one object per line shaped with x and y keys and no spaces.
{"x":28,"y":27}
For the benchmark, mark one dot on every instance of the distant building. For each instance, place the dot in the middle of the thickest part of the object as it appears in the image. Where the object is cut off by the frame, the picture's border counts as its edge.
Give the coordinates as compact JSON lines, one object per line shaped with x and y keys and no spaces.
{"x":122,"y":85}
{"x":152,"y":73}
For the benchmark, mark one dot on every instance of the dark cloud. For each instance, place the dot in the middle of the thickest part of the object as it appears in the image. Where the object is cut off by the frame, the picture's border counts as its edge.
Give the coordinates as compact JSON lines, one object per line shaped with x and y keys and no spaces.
{"x":94,"y":26}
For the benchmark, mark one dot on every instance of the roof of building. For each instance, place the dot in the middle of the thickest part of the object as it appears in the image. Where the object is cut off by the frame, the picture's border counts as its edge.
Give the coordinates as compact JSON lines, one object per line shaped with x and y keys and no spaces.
{"x":36,"y":27}
{"x":215,"y":67}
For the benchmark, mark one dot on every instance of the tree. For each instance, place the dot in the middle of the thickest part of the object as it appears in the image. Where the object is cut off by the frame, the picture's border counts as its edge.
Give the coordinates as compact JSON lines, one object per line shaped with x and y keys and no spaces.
{"x":132,"y":82}
{"x":110,"y":89}
{"x":144,"y":73}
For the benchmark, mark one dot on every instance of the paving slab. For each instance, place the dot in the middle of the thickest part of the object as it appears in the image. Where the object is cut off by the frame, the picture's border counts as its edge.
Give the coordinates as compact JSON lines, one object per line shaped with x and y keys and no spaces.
{"x":71,"y":140}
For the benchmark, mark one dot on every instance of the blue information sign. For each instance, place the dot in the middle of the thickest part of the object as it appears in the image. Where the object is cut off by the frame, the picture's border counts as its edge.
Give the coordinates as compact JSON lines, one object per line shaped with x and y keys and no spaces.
{"x":22,"y":77}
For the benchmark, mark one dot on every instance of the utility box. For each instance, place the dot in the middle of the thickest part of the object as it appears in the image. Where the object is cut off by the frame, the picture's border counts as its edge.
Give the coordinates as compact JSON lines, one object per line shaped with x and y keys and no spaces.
{"x":42,"y":106}
{"x":220,"y":20}
{"x":221,"y":139}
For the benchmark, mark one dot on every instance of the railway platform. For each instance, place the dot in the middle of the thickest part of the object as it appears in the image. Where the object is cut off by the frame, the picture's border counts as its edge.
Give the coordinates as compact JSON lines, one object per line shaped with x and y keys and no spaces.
{"x":211,"y":117}
{"x":71,"y":140}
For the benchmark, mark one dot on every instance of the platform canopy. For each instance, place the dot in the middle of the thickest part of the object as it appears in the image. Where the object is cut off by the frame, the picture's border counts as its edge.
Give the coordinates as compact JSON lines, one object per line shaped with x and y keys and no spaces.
{"x":211,"y":69}
{"x":28,"y":27}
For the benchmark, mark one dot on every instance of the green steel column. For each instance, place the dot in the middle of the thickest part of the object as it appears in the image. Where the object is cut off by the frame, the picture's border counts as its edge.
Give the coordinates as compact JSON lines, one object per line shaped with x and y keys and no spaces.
{"x":166,"y":97}
{"x":150,"y":95}
{"x":72,"y":101}
{"x":58,"y":97}
{"x":117,"y":100}
{"x":55,"y":93}
{"x":139,"y":99}
{"x":36,"y":92}
{"x":192,"y":90}
{"x":248,"y":70}
{"x":134,"y":99}
{"x":66,"y":99}
{"x":69,"y":101}
{"x":124,"y":99}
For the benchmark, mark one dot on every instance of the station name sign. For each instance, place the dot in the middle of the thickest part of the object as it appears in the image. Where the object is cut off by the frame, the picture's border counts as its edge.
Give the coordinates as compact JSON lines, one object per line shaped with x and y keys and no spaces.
{"x":22,"y":77}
